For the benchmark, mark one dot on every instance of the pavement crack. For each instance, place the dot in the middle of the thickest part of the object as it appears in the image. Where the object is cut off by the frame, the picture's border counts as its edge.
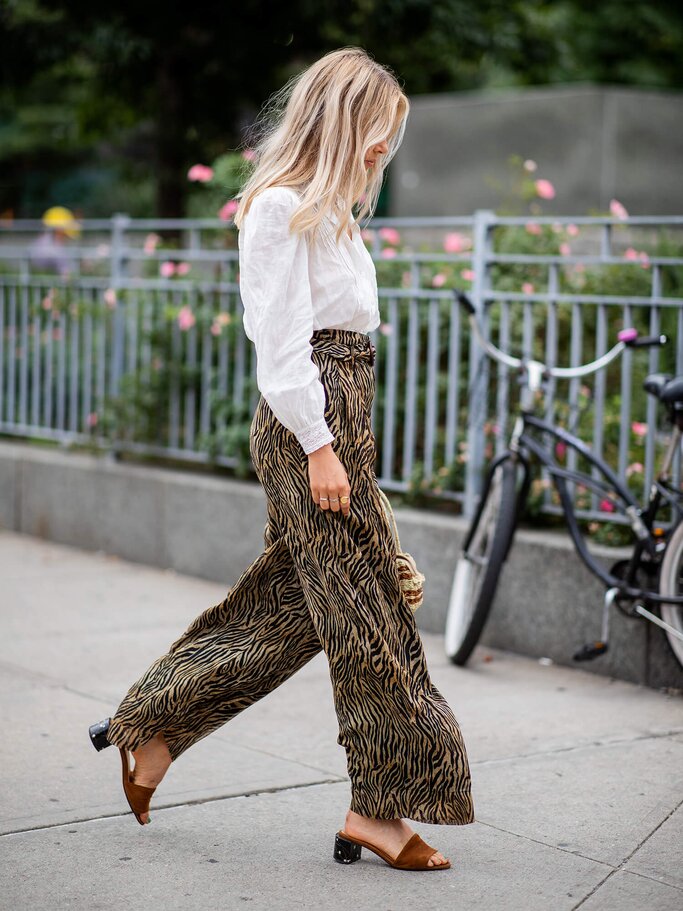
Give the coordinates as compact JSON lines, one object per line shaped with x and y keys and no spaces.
{"x":628,"y":857}
{"x":277,"y":789}
{"x":574,"y":748}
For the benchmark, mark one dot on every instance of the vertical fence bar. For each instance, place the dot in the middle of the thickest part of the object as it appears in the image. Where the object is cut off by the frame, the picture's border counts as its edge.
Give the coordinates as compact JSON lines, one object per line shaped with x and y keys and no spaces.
{"x":3,"y":294}
{"x":35,"y":360}
{"x":23,"y":356}
{"x":74,"y":367}
{"x":452,"y":396}
{"x":390,"y":393}
{"x":432,"y":394}
{"x":478,"y":366}
{"x":503,"y":374}
{"x":11,"y":334}
{"x":599,"y":401}
{"x":625,"y":404}
{"x":410,"y":401}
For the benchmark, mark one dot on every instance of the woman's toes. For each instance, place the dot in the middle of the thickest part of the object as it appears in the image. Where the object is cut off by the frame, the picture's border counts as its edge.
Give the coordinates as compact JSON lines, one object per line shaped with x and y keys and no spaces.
{"x":436,"y":859}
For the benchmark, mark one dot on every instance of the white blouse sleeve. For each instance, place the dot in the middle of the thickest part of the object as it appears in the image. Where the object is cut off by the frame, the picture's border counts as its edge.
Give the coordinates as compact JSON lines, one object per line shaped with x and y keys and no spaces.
{"x":278,"y":316}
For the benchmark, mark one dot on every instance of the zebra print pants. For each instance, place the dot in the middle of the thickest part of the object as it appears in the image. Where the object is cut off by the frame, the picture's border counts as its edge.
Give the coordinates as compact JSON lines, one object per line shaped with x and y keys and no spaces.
{"x":324,"y":580}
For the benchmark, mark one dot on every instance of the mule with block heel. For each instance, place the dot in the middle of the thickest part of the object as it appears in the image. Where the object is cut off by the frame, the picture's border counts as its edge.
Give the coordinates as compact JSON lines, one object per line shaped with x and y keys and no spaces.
{"x":137,"y":795}
{"x":414,"y":855}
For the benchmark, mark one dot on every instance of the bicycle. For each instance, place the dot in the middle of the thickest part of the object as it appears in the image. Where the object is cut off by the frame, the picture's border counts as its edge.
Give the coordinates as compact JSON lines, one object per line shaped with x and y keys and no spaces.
{"x":651,"y":579}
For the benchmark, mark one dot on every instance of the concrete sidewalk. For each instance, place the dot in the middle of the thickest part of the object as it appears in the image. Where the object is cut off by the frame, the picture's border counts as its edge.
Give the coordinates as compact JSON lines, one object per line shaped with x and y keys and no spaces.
{"x":578,"y":779}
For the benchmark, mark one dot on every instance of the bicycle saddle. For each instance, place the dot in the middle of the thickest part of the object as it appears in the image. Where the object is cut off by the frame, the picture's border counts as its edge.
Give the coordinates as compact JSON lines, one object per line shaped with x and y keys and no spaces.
{"x":668,"y":389}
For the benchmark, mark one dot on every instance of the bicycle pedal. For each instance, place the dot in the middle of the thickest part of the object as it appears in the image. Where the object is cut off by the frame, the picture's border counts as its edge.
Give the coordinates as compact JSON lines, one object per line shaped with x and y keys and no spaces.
{"x":590,"y":651}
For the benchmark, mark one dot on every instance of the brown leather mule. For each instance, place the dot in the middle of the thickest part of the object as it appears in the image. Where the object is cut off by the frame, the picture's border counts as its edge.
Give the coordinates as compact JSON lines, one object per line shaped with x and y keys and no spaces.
{"x":137,"y":795}
{"x":413,"y":856}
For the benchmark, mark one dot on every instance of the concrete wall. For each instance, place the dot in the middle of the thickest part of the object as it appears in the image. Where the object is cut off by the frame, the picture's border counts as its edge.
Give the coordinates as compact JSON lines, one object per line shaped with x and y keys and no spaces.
{"x":593,"y":143}
{"x":212,"y":527}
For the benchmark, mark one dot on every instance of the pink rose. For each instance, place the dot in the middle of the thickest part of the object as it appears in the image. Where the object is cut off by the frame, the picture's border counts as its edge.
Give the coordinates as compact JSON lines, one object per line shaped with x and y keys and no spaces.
{"x":226,"y":212}
{"x":467,"y":275}
{"x":530,"y":165}
{"x":560,"y":449}
{"x":607,"y":506}
{"x":572,"y":230}
{"x":151,"y":243}
{"x":565,"y":249}
{"x":617,"y":210}
{"x":215,"y":328}
{"x":167,"y":269}
{"x":391,"y":235}
{"x":533,"y":227}
{"x":386,"y":328}
{"x":110,"y":298}
{"x":186,"y":318}
{"x":388,"y":253}
{"x":182,"y":268}
{"x":639,"y":429}
{"x":527,"y":288}
{"x":631,"y":254}
{"x":455,"y":243}
{"x":545,"y":189}
{"x":200,"y":173}
{"x":91,"y":420}
{"x":439,"y":280}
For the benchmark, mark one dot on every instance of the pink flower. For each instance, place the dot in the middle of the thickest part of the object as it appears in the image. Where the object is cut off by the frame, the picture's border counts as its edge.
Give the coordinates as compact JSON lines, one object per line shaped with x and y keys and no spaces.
{"x":249,"y":154}
{"x":391,"y":235}
{"x":222,"y":318}
{"x":528,"y":288}
{"x":560,"y":449}
{"x":634,"y":468}
{"x":557,"y":227}
{"x":386,"y":328}
{"x":406,"y":279}
{"x":565,"y":249}
{"x":439,"y":280}
{"x":200,"y":173}
{"x":530,"y":165}
{"x":182,"y":268}
{"x":368,"y":235}
{"x":91,"y":420}
{"x":606,"y":505}
{"x":109,"y":297}
{"x":388,"y":253}
{"x":617,"y":210}
{"x":455,"y":242}
{"x":533,"y":227}
{"x":151,"y":243}
{"x":226,"y":212}
{"x":572,"y":230}
{"x":167,"y":269}
{"x":47,"y":302}
{"x":640,"y":430}
{"x":467,"y":275}
{"x":215,"y":328}
{"x":545,"y":189}
{"x":631,"y":254}
{"x":186,"y":318}
{"x":644,"y":259}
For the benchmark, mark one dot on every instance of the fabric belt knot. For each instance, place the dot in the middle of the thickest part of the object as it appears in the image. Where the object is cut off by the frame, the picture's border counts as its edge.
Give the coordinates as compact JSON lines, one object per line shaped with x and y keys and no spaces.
{"x":344,"y":344}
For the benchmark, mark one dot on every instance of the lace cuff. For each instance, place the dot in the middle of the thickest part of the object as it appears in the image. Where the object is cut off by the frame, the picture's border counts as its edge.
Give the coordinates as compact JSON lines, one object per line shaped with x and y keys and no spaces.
{"x":315,"y":436}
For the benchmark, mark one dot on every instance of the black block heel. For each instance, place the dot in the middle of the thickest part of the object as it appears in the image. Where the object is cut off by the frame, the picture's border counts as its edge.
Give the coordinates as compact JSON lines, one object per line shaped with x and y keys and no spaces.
{"x":345,"y":852}
{"x":98,"y":734}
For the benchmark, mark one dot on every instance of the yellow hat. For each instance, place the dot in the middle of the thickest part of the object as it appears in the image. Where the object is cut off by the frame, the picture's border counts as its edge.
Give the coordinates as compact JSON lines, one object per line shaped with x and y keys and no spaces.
{"x":62,"y":218}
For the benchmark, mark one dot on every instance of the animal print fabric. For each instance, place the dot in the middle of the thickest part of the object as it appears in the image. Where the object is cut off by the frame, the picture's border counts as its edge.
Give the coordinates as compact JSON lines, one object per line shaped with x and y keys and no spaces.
{"x":323,"y":581}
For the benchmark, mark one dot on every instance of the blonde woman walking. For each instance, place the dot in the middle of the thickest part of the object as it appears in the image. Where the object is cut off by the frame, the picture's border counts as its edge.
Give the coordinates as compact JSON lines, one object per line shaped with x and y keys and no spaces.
{"x":327,"y":578}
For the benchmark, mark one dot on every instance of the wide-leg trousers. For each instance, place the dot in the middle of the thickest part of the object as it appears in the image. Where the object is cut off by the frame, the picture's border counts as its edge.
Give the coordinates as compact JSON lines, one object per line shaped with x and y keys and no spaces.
{"x":324,"y":581}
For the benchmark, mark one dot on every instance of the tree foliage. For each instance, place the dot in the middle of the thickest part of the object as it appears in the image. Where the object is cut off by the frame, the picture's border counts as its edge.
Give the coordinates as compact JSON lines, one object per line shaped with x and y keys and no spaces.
{"x":96,"y":98}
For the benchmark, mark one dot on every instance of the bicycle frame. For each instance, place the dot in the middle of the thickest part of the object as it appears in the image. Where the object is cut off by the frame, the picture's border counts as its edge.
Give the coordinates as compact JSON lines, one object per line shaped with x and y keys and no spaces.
{"x":523,"y":442}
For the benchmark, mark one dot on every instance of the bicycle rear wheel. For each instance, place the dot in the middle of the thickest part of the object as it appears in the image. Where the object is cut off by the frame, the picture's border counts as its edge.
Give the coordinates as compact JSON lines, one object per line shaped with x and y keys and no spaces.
{"x":478,"y":568}
{"x":671,"y":583}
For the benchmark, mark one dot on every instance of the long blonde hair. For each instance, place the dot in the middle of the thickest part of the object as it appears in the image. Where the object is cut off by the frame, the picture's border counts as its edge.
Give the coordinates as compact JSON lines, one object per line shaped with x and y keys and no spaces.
{"x":315,"y":131}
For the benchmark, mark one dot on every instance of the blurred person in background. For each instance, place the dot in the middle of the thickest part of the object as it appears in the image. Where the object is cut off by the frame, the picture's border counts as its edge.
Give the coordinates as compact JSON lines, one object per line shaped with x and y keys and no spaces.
{"x":48,"y":250}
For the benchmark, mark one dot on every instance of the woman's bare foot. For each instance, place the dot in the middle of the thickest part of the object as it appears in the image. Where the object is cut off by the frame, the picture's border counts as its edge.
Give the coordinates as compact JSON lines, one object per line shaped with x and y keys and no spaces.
{"x":152,"y":760}
{"x":388,"y":834}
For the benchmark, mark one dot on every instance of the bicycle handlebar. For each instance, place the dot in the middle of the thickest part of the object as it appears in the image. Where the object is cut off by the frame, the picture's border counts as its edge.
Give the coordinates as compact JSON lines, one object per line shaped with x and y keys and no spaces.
{"x":628,"y":338}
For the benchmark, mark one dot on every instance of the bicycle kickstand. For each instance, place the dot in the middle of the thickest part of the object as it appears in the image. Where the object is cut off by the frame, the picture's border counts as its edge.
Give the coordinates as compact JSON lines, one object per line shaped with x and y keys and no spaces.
{"x":600,"y":646}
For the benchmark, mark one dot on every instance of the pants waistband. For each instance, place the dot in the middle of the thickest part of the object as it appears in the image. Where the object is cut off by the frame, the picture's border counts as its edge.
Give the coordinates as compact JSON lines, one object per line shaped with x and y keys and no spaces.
{"x":345,"y":344}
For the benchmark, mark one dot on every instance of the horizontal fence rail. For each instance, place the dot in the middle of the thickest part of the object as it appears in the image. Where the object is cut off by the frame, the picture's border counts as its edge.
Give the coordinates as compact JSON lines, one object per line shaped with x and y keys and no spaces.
{"x":130,"y":338}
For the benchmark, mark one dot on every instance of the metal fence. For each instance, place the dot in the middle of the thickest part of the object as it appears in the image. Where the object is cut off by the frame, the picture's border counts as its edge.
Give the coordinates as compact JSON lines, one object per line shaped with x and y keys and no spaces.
{"x":134,"y":343}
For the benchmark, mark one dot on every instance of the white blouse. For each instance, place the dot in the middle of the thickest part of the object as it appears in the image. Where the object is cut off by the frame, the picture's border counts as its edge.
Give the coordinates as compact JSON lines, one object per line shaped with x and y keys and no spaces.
{"x":291,"y":286}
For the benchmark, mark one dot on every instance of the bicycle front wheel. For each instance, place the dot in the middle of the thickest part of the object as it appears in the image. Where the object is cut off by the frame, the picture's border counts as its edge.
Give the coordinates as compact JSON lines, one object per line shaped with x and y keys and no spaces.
{"x":671,"y":583}
{"x":478,"y":569}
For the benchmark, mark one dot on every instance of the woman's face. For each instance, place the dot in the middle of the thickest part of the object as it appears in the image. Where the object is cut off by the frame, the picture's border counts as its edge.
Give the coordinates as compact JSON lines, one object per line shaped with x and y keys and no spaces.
{"x":372,"y":154}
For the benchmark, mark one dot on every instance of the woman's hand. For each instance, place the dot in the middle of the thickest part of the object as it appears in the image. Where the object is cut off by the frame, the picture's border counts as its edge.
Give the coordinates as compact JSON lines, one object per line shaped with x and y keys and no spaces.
{"x":328,"y":478}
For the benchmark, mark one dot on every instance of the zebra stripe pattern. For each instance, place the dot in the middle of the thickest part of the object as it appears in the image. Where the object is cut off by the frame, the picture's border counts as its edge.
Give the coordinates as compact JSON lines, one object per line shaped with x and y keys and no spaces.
{"x":324,"y":580}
